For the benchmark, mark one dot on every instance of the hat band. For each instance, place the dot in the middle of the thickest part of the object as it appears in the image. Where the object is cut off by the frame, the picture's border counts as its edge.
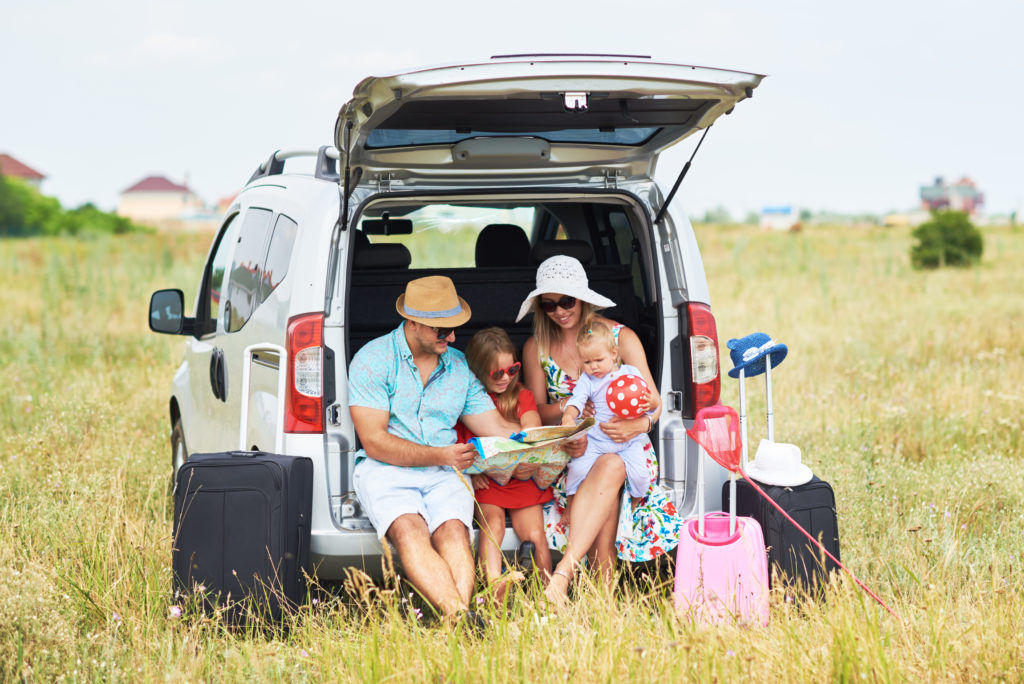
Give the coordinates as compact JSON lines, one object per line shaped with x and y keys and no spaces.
{"x":431,"y":314}
{"x":754,"y":352}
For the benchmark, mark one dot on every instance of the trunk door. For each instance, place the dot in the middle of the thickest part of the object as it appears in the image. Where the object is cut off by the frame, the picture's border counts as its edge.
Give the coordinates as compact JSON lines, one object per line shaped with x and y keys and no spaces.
{"x":532,"y":119}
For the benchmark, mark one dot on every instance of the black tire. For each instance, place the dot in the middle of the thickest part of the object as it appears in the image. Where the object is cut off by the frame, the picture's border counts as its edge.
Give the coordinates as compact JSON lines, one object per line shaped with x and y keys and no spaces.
{"x":179,"y":451}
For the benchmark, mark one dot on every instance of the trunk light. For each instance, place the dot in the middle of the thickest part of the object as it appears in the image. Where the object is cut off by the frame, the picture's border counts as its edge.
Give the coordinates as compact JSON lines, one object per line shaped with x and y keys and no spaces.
{"x":705,"y":378}
{"x":304,"y":406}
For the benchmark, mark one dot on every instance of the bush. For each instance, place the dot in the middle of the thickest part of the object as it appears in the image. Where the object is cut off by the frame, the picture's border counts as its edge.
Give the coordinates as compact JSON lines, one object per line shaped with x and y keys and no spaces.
{"x":948,"y":239}
{"x":26,"y":211}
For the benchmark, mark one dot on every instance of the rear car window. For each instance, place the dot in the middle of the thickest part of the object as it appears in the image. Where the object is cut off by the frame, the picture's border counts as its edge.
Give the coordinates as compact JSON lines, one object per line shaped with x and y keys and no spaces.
{"x":279,"y":254}
{"x":243,"y":290}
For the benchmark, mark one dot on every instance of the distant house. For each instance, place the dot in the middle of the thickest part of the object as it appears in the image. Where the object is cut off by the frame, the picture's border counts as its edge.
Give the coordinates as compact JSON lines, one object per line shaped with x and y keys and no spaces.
{"x":960,"y":196}
{"x":779,"y":218}
{"x":155,"y":199}
{"x":9,"y":166}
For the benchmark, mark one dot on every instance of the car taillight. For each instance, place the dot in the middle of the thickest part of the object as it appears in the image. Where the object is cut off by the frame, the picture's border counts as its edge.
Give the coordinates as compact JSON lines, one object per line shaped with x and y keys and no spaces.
{"x":304,"y":405}
{"x":706,"y":380}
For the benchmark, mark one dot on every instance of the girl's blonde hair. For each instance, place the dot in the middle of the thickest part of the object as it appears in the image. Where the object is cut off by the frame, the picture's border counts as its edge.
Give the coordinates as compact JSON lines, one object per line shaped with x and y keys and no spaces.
{"x":481,"y":351}
{"x":597,"y":333}
{"x":546,"y":331}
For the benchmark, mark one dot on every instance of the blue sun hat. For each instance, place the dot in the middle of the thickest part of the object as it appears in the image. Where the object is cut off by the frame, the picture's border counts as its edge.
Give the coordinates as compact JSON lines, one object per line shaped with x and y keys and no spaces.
{"x":749,"y":354}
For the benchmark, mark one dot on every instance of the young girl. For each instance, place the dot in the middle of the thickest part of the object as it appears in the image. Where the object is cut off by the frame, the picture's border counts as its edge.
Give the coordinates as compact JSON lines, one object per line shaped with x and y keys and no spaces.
{"x":599,"y":355}
{"x":491,"y":356}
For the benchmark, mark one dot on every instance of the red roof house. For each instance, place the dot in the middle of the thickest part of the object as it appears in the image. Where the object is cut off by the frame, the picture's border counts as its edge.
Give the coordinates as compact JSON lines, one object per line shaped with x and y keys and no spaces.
{"x":155,"y":199}
{"x":9,"y":166}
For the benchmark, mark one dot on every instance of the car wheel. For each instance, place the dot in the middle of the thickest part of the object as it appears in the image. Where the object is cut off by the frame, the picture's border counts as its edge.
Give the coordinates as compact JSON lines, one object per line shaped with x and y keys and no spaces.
{"x":179,"y":452}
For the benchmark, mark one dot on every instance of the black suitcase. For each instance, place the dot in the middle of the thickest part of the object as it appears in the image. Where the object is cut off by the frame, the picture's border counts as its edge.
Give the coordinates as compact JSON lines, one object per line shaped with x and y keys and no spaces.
{"x":242,"y":530}
{"x":813,"y":506}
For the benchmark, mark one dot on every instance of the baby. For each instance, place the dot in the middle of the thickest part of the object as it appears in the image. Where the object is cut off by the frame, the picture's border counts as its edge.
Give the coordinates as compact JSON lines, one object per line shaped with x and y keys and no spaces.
{"x":599,"y":354}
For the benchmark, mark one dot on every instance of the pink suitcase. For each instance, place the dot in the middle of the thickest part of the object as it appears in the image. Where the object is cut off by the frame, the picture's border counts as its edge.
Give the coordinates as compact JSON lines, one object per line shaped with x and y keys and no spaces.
{"x":721,"y":564}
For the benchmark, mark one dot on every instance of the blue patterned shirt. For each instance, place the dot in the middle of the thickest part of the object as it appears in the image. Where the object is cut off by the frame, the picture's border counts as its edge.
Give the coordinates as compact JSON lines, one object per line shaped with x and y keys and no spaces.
{"x":383,"y":376}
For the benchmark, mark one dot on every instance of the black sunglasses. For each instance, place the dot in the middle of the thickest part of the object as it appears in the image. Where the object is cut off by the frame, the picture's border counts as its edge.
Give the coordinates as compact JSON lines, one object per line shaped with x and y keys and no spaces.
{"x":442,"y":333}
{"x":566,"y":302}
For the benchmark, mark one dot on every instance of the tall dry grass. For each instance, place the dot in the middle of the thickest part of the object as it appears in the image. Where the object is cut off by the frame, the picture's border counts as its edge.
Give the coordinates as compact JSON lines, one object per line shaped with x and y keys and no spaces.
{"x":903,"y":389}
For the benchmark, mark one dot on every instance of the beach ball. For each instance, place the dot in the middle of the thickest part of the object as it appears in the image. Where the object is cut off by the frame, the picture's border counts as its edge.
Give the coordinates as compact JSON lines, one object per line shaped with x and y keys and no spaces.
{"x":625,"y":394}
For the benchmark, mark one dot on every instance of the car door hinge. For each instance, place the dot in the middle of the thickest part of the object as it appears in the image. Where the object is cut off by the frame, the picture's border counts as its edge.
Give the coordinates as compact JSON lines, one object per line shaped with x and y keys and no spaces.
{"x":334,"y":414}
{"x":384,"y":182}
{"x":612,"y":178}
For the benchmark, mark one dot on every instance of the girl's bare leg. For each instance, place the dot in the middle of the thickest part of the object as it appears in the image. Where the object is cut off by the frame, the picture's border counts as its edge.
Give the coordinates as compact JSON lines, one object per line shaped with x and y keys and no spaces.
{"x":528,"y":524}
{"x":491,"y":519}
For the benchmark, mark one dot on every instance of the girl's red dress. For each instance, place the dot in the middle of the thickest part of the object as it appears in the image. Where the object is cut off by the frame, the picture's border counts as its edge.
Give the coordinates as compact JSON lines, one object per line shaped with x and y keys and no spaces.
{"x":516,"y":493}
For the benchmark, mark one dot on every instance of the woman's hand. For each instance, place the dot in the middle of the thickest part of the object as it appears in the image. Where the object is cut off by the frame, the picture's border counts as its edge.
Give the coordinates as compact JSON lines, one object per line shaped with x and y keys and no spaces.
{"x":525,"y":471}
{"x":576,"y":447}
{"x":480,"y":481}
{"x":625,"y":429}
{"x":588,"y":410}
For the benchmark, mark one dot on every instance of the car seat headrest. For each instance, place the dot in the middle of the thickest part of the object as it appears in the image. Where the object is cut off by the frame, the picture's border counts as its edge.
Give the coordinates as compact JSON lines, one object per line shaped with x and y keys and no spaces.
{"x":578,"y":249}
{"x":384,"y":255}
{"x":502,"y":244}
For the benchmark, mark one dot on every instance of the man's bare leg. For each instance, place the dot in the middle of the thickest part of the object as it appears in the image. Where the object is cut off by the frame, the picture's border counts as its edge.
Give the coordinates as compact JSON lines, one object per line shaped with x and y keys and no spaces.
{"x":428,"y":571}
{"x":451,"y":540}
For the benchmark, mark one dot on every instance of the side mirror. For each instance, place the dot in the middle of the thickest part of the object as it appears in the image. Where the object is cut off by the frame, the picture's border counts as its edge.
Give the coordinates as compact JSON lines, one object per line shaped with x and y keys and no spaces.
{"x":167,"y":313}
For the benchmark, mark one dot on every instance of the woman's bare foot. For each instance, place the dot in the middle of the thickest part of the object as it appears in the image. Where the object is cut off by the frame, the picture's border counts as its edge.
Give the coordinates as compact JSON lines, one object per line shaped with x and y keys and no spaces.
{"x":557,"y":590}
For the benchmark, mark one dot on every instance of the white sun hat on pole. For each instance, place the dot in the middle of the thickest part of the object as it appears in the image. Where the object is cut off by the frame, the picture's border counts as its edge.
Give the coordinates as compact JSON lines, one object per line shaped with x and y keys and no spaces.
{"x":778,"y":463}
{"x":563,"y":275}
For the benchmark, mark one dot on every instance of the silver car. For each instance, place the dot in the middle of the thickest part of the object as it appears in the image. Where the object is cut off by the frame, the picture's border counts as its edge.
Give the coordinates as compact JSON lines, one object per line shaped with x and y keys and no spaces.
{"x":479,"y":172}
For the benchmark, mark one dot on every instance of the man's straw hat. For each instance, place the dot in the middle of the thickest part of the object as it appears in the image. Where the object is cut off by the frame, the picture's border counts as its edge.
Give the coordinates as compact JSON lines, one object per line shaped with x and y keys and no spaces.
{"x":433,"y":301}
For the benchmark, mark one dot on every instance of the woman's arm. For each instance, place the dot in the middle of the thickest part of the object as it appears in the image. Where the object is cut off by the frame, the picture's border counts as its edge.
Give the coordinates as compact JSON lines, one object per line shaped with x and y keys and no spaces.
{"x":537,"y":382}
{"x":632,"y":353}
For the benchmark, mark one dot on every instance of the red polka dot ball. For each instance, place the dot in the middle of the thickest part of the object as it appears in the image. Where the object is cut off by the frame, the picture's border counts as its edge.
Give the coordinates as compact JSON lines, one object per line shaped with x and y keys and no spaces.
{"x":625,"y":394}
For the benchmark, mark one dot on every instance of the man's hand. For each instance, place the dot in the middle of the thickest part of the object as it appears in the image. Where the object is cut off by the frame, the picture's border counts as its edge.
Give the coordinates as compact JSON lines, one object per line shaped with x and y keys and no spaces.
{"x":458,"y":456}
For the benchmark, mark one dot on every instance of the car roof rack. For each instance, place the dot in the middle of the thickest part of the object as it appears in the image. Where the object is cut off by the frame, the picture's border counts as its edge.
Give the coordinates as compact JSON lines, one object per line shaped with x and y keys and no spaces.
{"x":326,"y":163}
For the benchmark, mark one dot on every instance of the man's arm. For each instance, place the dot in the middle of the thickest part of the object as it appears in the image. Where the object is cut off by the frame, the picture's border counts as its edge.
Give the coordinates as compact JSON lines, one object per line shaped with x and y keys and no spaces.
{"x":489,"y":424}
{"x":372,"y":427}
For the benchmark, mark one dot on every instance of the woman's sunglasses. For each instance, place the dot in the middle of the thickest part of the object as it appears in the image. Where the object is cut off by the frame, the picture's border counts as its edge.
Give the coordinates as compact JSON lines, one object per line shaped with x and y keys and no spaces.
{"x":512,"y":371}
{"x":566,"y":303}
{"x":442,"y":333}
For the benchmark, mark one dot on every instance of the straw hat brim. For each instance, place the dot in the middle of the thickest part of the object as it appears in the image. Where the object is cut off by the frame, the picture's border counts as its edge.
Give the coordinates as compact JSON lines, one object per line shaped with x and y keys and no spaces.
{"x":452,"y":321}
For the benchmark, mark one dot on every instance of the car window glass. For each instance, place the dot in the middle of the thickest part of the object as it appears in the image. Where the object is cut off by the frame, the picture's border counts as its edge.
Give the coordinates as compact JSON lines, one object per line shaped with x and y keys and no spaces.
{"x":211,"y":298}
{"x":445,"y":235}
{"x":279,"y":254}
{"x":243,"y":290}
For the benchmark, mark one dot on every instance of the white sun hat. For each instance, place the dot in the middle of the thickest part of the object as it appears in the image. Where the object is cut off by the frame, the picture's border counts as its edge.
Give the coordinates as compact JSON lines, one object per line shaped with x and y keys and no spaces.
{"x":564,"y":275}
{"x":778,"y":463}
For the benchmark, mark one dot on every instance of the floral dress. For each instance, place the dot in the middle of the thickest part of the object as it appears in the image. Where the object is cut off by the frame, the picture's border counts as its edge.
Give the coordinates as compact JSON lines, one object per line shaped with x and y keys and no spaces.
{"x":644,"y":533}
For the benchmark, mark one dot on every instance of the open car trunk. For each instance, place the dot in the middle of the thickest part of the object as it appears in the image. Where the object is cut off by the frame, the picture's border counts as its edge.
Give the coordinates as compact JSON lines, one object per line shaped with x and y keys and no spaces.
{"x":532,"y":116}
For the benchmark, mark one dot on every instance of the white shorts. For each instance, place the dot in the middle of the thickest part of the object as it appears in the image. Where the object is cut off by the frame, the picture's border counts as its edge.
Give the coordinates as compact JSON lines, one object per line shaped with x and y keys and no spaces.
{"x":435,"y":493}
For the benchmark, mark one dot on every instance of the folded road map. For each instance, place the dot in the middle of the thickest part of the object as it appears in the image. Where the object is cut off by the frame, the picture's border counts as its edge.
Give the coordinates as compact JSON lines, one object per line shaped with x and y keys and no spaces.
{"x":498,"y":457}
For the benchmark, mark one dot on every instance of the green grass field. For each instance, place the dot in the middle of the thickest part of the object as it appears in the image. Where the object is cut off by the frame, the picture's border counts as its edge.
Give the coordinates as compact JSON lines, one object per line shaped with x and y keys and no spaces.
{"x":904,"y":389}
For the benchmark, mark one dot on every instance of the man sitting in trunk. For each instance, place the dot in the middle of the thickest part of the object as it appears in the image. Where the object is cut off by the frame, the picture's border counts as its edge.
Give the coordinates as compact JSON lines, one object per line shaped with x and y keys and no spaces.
{"x":407,"y":390}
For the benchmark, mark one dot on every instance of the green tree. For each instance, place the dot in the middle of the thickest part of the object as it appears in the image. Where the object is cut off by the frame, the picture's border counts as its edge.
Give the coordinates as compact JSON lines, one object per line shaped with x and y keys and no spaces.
{"x":948,"y":239}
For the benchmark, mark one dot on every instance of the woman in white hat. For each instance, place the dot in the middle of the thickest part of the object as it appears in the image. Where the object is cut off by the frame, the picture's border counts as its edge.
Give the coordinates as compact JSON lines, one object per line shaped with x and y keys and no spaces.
{"x":562,"y":304}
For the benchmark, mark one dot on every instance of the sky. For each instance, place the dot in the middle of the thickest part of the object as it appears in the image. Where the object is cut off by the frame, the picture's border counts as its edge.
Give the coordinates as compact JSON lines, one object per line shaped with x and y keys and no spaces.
{"x":863,"y":102}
